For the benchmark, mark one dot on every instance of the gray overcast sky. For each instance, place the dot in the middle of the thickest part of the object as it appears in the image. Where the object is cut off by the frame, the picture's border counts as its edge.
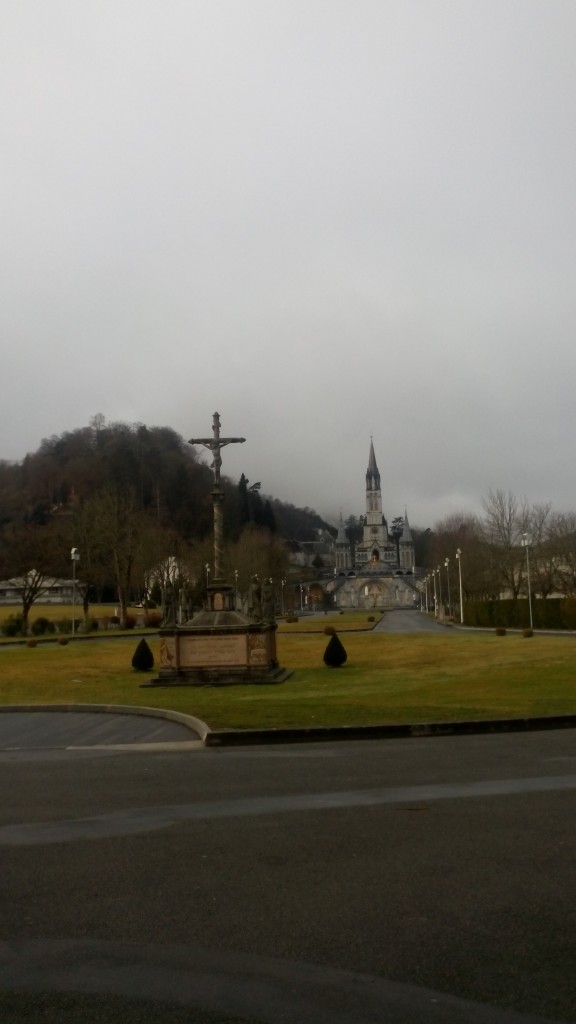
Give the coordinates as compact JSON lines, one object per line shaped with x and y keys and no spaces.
{"x":325,"y":218}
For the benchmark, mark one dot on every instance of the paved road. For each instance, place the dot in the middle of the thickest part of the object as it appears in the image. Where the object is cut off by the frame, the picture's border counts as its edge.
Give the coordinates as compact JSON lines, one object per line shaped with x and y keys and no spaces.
{"x":408,"y":621}
{"x":413,"y":882}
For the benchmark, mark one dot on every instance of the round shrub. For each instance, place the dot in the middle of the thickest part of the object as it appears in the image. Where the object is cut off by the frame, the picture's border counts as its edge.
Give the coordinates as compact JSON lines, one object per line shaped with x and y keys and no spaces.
{"x":371,"y":618}
{"x":527,"y":632}
{"x":63,"y":640}
{"x":42,"y":625}
{"x":12,"y":626}
{"x":153,"y":619}
{"x":500,"y":631}
{"x":31,"y":642}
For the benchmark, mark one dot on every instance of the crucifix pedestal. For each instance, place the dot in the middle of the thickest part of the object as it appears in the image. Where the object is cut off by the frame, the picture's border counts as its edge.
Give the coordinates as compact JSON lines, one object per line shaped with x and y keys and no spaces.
{"x":219,"y":646}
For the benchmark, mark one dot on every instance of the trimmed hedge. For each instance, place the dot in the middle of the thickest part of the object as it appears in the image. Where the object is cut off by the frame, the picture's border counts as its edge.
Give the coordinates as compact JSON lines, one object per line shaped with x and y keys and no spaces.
{"x":335,"y":653}
{"x":548,"y":613}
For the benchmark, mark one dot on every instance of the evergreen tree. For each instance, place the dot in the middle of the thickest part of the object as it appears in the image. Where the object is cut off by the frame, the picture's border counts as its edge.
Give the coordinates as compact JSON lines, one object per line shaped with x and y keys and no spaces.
{"x":396,"y":531}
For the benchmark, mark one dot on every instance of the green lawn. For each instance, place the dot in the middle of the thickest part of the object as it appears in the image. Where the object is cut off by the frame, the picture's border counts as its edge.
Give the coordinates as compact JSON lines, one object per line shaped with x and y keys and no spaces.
{"x":342,"y":621}
{"x":345,"y":621}
{"x":53,"y":612}
{"x":387,"y":678}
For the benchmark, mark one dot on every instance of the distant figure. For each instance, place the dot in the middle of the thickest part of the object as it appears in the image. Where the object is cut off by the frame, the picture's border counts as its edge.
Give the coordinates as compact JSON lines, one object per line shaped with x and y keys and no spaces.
{"x":255,"y":599}
{"x":169,"y":605}
{"x":268,"y":600}
{"x":186,"y":603}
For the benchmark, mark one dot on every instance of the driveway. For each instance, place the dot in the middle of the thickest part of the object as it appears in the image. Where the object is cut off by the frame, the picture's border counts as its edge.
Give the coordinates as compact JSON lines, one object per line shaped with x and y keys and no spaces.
{"x":408,"y":621}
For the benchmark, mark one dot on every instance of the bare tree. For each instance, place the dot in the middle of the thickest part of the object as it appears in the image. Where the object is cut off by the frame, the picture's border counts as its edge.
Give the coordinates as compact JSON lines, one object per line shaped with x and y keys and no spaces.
{"x":463,"y":531}
{"x":28,"y":555}
{"x":506,"y":519}
{"x":544,"y":551}
{"x":120,"y":529}
{"x":562,"y":540}
{"x":257,"y":551}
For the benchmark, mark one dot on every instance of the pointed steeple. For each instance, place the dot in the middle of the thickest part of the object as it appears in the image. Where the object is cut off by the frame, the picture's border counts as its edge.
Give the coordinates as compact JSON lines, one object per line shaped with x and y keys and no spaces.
{"x":372,"y":473}
{"x":407,"y":537}
{"x":342,"y":548}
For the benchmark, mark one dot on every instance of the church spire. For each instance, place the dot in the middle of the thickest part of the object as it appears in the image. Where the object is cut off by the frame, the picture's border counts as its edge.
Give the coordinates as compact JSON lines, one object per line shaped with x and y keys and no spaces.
{"x":341,"y":538}
{"x":407,"y":537}
{"x":372,"y":473}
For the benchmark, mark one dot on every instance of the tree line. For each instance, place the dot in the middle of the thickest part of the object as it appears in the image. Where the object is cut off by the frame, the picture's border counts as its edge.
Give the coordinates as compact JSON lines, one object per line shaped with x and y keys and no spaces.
{"x":498,"y":547}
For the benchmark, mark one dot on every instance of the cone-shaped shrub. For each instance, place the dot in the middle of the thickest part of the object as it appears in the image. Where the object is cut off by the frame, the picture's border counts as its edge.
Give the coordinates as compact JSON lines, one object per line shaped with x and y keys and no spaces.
{"x":143,"y":659}
{"x":335,"y":654}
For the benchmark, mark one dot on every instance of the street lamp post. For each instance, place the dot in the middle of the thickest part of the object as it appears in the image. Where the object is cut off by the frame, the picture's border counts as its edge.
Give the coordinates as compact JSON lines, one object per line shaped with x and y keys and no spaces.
{"x":282,"y":585}
{"x":435,"y":596}
{"x":526,"y":544}
{"x":75,"y":556}
{"x":440,"y":592}
{"x":459,"y":560}
{"x":447,"y":564}
{"x":235,"y":589}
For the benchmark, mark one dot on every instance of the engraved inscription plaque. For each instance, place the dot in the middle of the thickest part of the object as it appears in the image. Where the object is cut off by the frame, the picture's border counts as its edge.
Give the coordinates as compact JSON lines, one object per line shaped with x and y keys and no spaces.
{"x":257,"y":653}
{"x":208,"y":651}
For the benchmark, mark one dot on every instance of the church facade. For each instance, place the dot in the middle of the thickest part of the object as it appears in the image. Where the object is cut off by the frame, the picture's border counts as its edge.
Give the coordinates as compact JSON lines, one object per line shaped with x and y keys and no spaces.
{"x":378,"y":571}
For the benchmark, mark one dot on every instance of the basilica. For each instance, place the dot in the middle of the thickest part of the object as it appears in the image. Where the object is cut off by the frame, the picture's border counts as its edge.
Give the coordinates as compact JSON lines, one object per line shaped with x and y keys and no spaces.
{"x":379,"y":570}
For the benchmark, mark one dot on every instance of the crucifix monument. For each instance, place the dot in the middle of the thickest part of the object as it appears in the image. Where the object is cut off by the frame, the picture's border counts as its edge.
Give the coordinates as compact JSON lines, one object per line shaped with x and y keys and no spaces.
{"x":214,"y":444}
{"x":219,"y":646}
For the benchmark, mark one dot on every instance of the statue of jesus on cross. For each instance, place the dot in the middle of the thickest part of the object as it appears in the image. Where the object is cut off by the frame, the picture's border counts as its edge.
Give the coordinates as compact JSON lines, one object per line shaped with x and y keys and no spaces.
{"x":214,"y":444}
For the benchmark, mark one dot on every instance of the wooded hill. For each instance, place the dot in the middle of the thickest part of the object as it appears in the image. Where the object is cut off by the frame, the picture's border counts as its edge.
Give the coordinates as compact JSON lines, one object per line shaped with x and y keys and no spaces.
{"x":135,"y":503}
{"x":166,"y":478}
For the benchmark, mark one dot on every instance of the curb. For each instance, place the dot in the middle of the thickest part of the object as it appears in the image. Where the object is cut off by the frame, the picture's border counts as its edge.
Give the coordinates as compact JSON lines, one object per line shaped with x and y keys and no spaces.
{"x":316,"y":734}
{"x":231,"y":737}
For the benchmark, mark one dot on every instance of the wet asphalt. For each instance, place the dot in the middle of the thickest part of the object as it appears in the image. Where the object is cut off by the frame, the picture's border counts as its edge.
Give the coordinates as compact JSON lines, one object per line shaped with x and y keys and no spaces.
{"x":405,"y":880}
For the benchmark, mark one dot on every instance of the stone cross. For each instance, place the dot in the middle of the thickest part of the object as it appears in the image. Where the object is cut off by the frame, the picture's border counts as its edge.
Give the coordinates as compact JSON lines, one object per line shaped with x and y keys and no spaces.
{"x":214,"y":444}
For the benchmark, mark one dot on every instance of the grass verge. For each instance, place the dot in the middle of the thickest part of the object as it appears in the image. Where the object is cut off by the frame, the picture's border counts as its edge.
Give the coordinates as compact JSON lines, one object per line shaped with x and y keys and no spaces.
{"x":387,"y":678}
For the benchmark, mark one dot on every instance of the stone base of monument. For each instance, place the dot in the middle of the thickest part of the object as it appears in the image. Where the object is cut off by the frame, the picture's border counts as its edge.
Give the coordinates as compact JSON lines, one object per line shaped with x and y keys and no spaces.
{"x":219,"y":648}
